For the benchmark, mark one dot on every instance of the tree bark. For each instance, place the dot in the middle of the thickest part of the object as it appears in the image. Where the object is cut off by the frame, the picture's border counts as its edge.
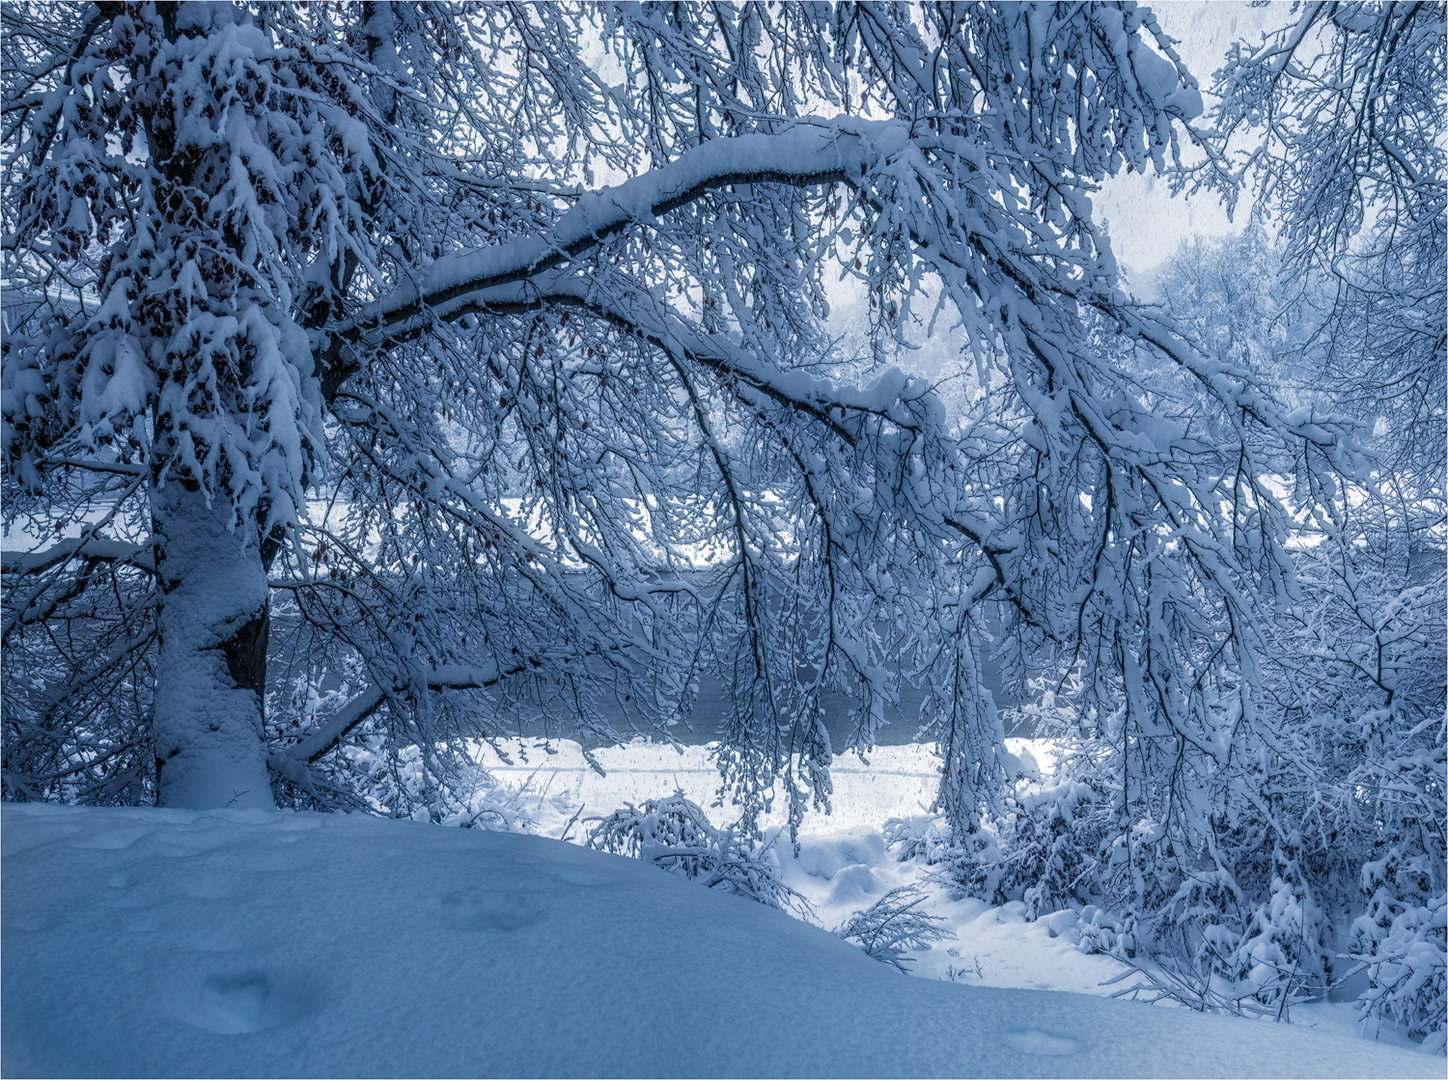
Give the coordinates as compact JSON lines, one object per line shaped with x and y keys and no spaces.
{"x":211,"y":677}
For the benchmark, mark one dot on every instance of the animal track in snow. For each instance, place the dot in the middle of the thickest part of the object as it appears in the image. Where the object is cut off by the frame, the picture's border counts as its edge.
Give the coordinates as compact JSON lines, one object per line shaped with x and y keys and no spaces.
{"x":1036,"y":1041}
{"x":480,"y":909}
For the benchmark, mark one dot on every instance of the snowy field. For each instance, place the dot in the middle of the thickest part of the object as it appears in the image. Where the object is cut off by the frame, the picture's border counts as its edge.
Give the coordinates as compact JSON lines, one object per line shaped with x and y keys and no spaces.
{"x":170,"y":943}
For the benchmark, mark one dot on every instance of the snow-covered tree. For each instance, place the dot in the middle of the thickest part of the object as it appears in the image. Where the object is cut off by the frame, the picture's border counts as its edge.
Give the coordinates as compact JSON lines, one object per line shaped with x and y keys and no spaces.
{"x":190,"y":189}
{"x":1238,"y":876}
{"x":328,"y":342}
{"x":1336,"y":119}
{"x":1343,"y":115}
{"x":1240,"y":861}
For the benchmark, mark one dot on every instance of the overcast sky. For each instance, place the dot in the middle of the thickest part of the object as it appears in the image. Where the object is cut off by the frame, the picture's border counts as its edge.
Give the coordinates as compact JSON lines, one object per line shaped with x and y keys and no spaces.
{"x":1147,"y":224}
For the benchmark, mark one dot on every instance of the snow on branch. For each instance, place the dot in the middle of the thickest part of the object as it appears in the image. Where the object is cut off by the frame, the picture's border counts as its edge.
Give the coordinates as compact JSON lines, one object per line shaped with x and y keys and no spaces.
{"x":34,"y":562}
{"x":817,"y":151}
{"x":894,"y":924}
{"x":292,"y":763}
{"x":891,"y":394}
{"x":675,"y":835}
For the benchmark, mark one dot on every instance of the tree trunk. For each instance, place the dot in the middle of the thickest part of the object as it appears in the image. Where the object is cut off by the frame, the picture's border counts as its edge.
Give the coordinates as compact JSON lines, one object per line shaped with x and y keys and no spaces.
{"x":211,"y":677}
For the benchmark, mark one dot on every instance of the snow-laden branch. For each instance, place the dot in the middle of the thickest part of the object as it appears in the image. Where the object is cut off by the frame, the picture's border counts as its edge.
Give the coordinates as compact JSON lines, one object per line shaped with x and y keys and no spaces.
{"x":291,"y":763}
{"x":33,"y":562}
{"x":816,"y":151}
{"x":890,"y":394}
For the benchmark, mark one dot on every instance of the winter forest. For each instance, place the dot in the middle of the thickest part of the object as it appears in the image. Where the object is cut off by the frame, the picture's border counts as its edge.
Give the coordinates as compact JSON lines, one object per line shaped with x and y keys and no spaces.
{"x":390,"y":387}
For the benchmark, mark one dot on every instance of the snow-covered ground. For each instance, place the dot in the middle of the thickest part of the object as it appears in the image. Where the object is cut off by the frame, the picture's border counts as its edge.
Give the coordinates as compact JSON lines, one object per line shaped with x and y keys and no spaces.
{"x":843,"y":865}
{"x":151,"y":942}
{"x":235,"y":943}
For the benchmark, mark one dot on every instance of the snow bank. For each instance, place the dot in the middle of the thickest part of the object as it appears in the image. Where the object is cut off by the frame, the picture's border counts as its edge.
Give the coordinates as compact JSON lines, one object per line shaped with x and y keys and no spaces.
{"x":231,"y":942}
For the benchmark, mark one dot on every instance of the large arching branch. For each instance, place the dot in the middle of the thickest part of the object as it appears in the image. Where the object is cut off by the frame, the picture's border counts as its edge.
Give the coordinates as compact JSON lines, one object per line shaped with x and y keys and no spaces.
{"x":814,"y":152}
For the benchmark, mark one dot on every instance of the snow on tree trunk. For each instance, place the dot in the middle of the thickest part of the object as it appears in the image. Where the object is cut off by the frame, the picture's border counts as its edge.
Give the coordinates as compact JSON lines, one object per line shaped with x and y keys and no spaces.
{"x":209,"y":739}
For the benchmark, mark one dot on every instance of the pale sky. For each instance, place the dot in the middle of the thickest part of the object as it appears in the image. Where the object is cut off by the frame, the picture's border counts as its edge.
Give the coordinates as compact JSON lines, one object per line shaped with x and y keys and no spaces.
{"x":1147,"y":224}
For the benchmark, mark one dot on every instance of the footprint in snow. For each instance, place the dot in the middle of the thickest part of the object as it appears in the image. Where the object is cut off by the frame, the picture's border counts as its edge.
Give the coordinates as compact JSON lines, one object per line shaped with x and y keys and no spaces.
{"x":113,"y":839}
{"x":1036,"y":1041}
{"x":235,"y":1003}
{"x":481,"y":909}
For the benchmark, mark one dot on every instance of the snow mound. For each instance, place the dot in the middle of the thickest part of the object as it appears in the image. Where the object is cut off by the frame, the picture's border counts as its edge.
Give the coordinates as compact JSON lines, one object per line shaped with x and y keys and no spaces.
{"x":245,"y":942}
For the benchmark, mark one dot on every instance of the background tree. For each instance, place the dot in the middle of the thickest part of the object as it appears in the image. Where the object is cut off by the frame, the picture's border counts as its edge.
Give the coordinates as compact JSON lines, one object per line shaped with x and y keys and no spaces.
{"x":1341,"y":114}
{"x":1348,"y":104}
{"x":1240,"y":860}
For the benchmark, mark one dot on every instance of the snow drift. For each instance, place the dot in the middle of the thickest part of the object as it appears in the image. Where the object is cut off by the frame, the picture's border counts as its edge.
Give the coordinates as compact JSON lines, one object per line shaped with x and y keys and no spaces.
{"x":246,"y":942}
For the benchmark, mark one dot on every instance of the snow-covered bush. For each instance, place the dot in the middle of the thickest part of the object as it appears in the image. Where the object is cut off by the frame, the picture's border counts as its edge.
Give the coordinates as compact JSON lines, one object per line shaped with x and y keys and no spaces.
{"x":1042,"y":850}
{"x":1101,"y":933}
{"x":893,"y":925}
{"x":1050,"y":846}
{"x":973,"y":865}
{"x":498,"y":809}
{"x":1401,"y":941}
{"x":1285,"y":952}
{"x":397,"y":781}
{"x":675,"y":835}
{"x":921,"y":836}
